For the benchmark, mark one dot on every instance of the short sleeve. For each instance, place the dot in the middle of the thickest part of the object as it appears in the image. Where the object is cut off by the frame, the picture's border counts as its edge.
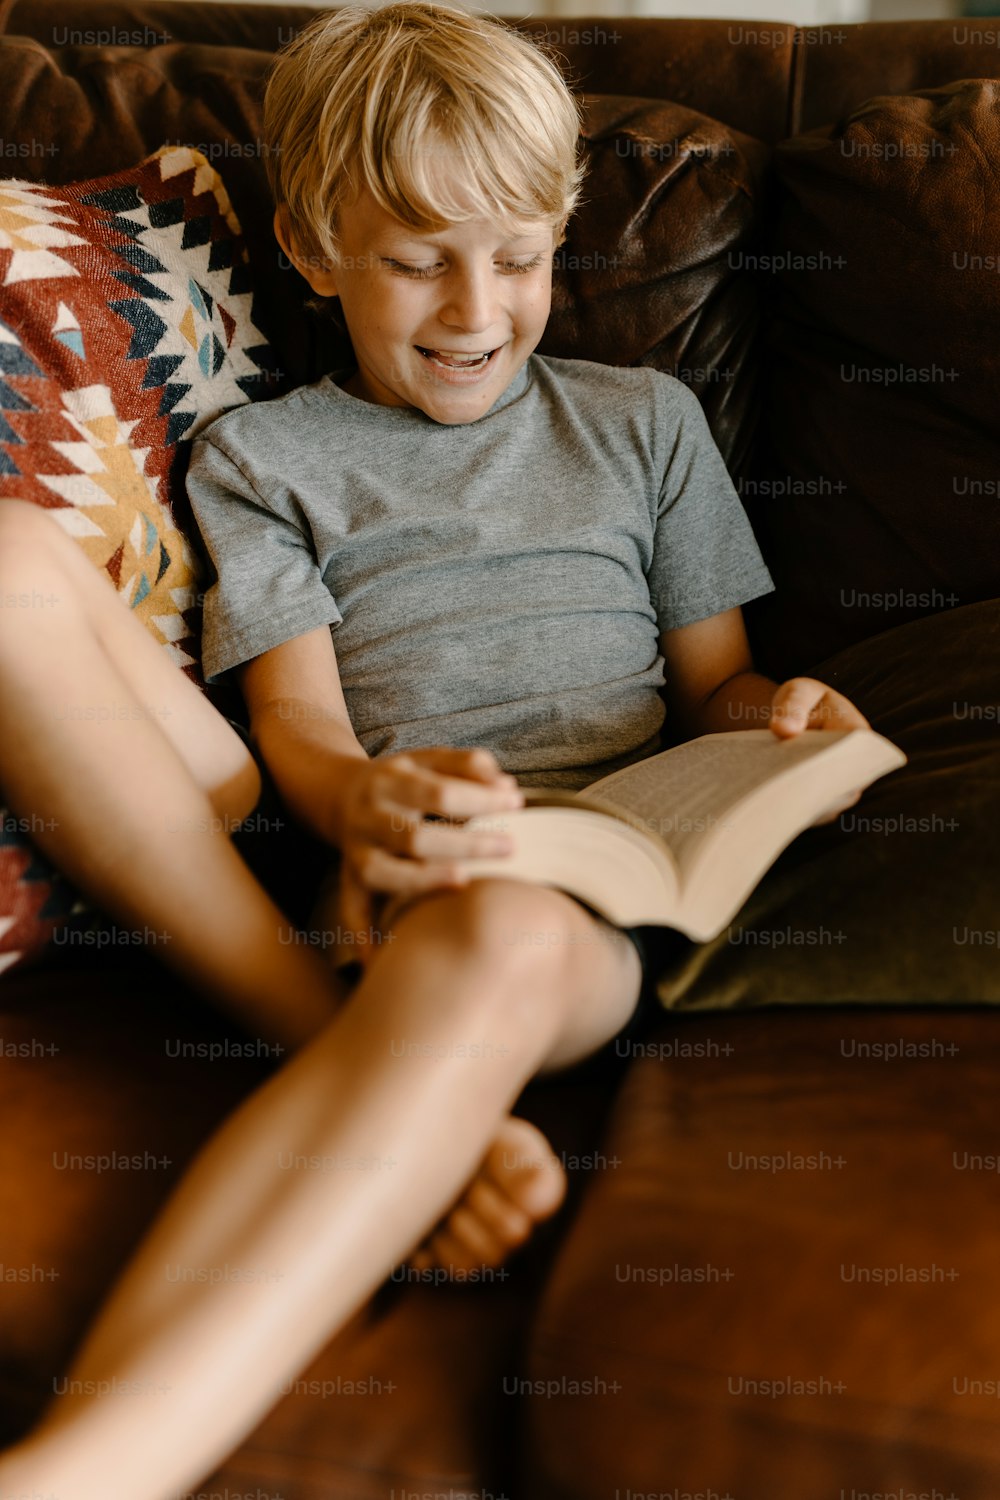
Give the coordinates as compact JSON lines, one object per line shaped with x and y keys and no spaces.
{"x":266,"y":585}
{"x":705,"y":555}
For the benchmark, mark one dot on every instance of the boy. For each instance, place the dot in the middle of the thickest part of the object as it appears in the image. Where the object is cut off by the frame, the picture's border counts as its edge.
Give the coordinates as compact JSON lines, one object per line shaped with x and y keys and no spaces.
{"x":452,"y":543}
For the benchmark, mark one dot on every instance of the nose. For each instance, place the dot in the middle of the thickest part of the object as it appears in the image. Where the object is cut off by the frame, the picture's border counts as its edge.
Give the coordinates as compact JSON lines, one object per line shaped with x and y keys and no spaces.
{"x":471,"y":298}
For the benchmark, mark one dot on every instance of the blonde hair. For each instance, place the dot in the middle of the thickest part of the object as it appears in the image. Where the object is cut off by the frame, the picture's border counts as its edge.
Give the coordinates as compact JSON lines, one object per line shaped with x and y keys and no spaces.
{"x":376,"y":98}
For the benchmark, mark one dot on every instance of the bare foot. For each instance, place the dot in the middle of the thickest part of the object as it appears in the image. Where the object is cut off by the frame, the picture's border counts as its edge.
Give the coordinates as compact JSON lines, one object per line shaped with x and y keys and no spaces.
{"x":520,"y":1181}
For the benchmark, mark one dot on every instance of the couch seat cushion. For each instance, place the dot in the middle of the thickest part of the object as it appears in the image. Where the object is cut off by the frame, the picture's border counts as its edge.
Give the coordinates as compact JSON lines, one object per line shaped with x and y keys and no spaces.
{"x":785,"y":1286}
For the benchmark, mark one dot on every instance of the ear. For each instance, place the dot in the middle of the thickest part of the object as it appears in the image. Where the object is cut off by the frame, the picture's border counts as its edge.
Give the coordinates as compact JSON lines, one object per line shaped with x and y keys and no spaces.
{"x":320,"y":275}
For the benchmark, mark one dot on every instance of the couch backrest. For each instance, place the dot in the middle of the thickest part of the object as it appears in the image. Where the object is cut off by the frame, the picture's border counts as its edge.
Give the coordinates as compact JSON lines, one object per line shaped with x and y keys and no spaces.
{"x":687,"y":261}
{"x":765,"y":78}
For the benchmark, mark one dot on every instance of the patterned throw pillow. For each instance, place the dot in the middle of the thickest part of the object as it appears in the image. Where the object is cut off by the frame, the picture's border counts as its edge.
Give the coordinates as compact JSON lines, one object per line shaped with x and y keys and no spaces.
{"x":126,"y":326}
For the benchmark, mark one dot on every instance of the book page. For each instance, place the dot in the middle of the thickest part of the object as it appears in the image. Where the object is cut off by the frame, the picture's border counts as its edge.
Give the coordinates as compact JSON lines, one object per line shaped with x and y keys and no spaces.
{"x":684,"y":795}
{"x":692,"y":829}
{"x":623,"y":874}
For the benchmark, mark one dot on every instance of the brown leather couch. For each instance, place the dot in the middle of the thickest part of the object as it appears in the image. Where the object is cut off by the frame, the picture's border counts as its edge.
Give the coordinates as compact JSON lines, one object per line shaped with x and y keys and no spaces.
{"x":776,"y":1275}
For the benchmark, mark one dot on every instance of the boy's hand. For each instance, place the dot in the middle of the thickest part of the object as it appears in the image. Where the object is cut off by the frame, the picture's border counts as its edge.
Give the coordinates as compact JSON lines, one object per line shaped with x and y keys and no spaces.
{"x":388,"y":846}
{"x":803,"y":703}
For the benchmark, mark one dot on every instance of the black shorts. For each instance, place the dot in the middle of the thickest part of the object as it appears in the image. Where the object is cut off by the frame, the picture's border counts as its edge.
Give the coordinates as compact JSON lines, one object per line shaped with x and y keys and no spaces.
{"x":649,"y":943}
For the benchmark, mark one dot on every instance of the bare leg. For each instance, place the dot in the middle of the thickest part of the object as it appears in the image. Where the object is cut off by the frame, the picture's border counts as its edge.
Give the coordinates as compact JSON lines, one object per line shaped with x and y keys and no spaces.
{"x":127,"y":772}
{"x":98,"y":716}
{"x":79,"y":652}
{"x":321,"y":1182}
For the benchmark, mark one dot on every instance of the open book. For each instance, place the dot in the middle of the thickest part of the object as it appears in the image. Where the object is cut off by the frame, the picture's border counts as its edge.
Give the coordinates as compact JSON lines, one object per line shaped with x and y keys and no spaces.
{"x":681,"y":839}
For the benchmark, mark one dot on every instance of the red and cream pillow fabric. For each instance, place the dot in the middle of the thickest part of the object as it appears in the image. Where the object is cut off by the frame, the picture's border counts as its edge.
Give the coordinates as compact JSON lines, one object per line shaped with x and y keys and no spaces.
{"x":126,"y":325}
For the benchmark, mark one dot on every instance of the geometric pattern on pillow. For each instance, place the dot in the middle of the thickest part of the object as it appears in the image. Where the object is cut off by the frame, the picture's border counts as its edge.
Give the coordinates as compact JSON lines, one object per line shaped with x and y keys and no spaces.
{"x":109,"y":504}
{"x":126,"y":326}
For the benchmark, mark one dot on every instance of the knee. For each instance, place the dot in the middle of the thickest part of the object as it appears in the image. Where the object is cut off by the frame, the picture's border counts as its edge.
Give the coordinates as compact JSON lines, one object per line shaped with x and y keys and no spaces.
{"x":30,"y":539}
{"x":503,"y":919}
{"x":513,"y":939}
{"x":22,"y":520}
{"x":35,"y":576}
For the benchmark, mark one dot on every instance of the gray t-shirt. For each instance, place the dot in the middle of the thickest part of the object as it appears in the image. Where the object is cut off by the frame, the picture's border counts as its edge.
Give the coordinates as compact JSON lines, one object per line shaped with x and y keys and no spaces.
{"x":500,"y":582}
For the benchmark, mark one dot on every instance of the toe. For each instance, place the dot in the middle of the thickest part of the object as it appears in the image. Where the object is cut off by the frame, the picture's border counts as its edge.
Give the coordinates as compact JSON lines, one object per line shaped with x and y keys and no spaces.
{"x":451,"y":1253}
{"x":508,"y":1223}
{"x":481,"y":1246}
{"x":523,"y":1166}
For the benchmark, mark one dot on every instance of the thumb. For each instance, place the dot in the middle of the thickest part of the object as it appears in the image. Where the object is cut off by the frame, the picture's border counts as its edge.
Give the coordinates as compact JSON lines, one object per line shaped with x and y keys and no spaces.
{"x":793,"y":704}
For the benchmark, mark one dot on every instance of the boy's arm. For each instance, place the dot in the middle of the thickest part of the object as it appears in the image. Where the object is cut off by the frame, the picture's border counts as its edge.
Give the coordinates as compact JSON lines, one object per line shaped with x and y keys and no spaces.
{"x":299,"y":720}
{"x":711,"y":685}
{"x":374,"y":811}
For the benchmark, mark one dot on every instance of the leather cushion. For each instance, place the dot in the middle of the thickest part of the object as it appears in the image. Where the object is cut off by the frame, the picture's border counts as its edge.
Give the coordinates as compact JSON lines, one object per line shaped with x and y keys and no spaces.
{"x":847,"y":65}
{"x":782,"y":1279}
{"x":646,"y":276}
{"x":876,"y":496}
{"x":737,"y":74}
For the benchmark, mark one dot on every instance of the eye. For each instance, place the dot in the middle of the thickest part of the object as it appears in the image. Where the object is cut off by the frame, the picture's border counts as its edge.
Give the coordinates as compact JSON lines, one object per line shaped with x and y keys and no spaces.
{"x":402,"y":269}
{"x":519,"y":267}
{"x":417,"y":273}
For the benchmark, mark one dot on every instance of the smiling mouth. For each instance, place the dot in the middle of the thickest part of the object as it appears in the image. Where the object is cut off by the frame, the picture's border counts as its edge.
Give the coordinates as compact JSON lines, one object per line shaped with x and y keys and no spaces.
{"x":446,"y":361}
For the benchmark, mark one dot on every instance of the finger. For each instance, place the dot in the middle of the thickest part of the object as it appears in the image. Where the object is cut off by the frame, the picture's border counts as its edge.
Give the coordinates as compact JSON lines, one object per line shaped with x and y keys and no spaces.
{"x":478,"y":764}
{"x":355,"y":906}
{"x":407,"y":833}
{"x":794,"y":703}
{"x":833,"y":813}
{"x":413,"y":837}
{"x":378,"y":870}
{"x":410,"y":788}
{"x":838,"y":712}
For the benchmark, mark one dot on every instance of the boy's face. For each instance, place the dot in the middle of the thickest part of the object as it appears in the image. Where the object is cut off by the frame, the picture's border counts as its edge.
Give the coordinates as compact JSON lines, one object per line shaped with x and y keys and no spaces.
{"x":416,"y":302}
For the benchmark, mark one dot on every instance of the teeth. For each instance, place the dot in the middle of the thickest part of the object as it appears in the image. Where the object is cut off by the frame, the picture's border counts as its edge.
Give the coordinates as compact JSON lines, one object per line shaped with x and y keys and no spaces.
{"x":455,"y":361}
